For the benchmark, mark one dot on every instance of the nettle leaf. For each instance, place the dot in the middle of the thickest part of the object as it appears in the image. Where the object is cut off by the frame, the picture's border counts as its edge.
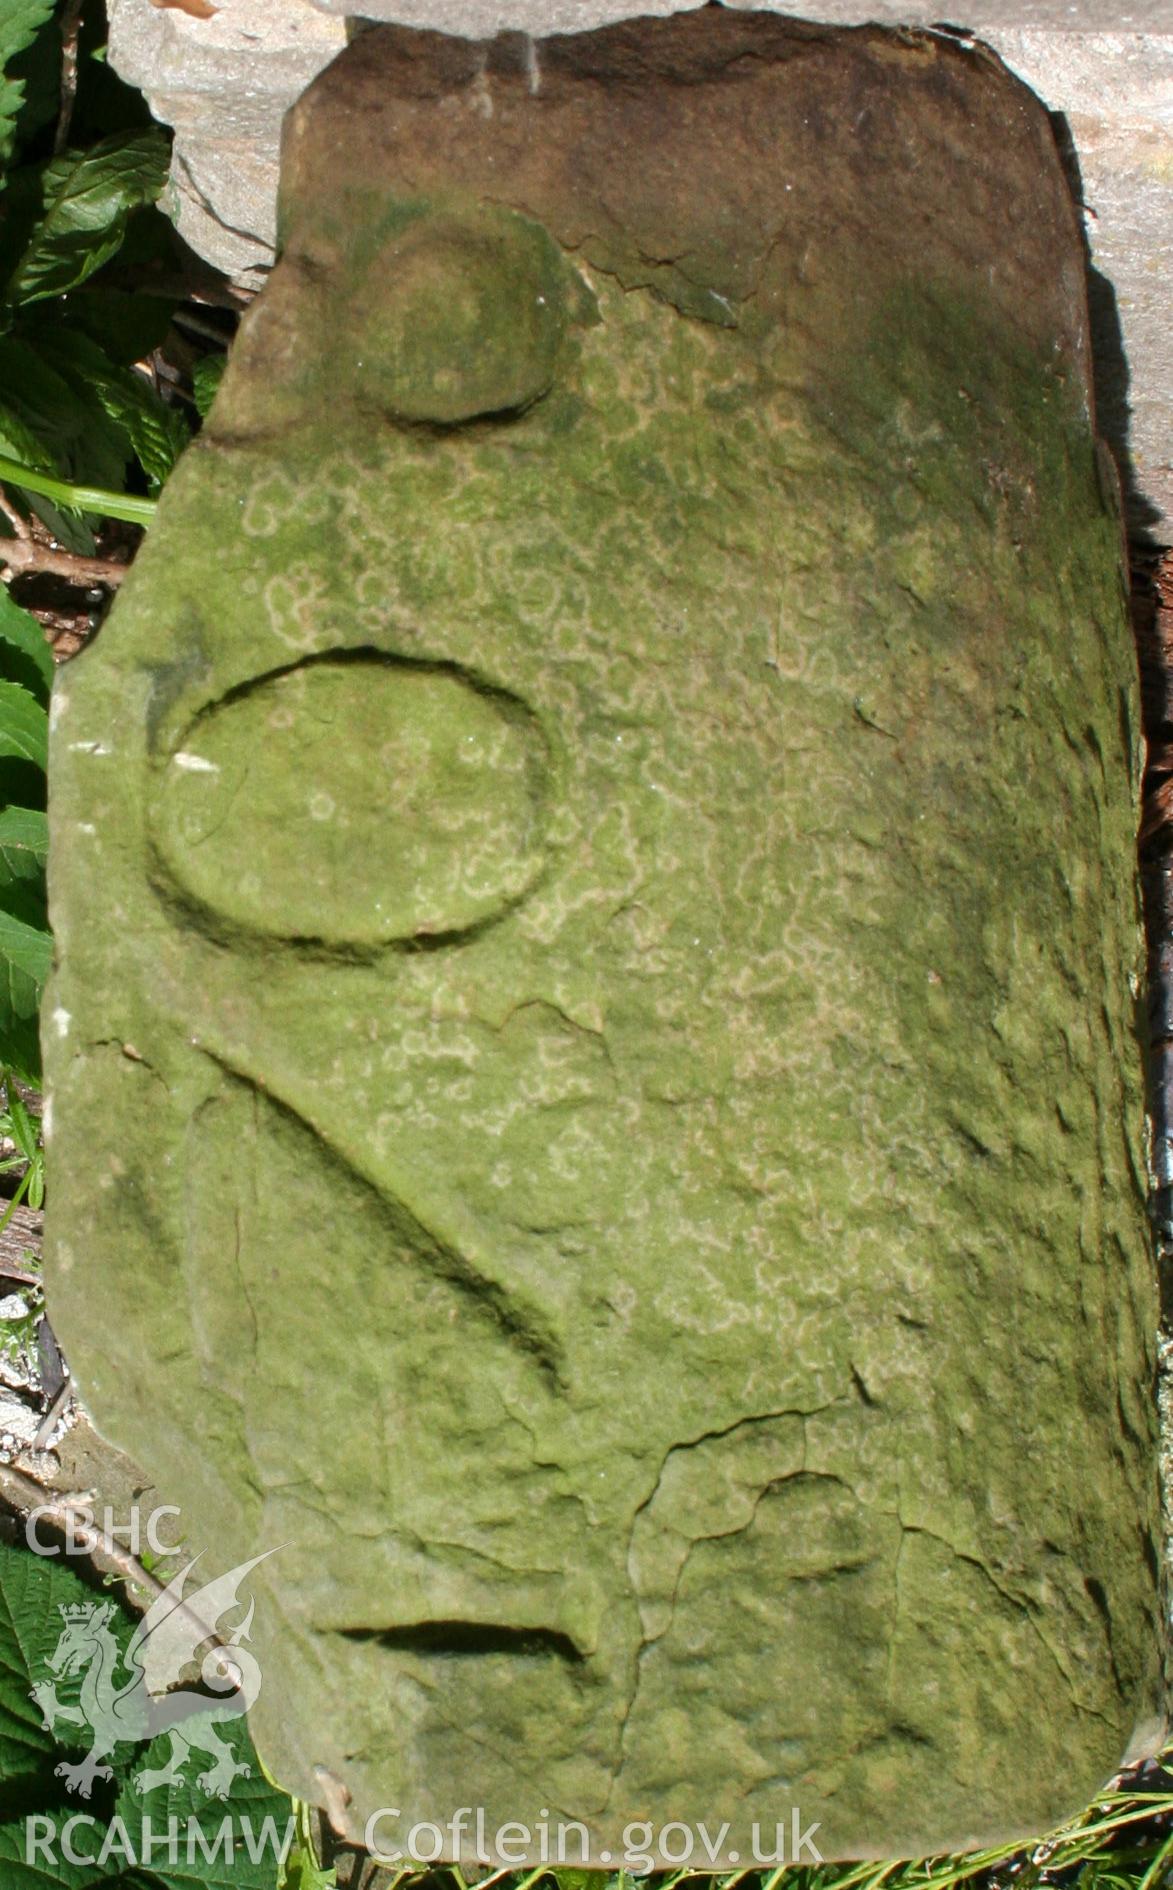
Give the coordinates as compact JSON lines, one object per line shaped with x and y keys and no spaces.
{"x":127,"y":326}
{"x":38,"y":70}
{"x":152,"y":432}
{"x":28,"y":903}
{"x":68,"y":527}
{"x":16,"y":862}
{"x":24,"y":725}
{"x":67,"y":1848}
{"x":69,"y":420}
{"x":18,"y":440}
{"x":236,"y":1841}
{"x":88,"y":197}
{"x":24,"y":837}
{"x":33,"y":1590}
{"x":38,"y":1853}
{"x":23,"y":203}
{"x":25,"y":957}
{"x":20,"y":1048}
{"x":205,"y":381}
{"x":177,"y":1834}
{"x":22,"y":634}
{"x":26,"y":950}
{"x":32,"y":1855}
{"x":20,"y":22}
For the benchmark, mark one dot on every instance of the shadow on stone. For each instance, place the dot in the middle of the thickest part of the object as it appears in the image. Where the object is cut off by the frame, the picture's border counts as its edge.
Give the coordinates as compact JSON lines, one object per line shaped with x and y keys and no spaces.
{"x":1110,"y":371}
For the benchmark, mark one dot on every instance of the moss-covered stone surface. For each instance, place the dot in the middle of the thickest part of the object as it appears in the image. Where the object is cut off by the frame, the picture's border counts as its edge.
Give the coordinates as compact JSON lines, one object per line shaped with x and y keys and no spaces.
{"x":595,"y":1091}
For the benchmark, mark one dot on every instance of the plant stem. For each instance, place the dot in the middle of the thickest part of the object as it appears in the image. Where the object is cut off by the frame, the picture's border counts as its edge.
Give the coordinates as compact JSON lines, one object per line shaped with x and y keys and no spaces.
{"x":121,"y":505}
{"x":70,"y":28}
{"x":1153,"y":1872}
{"x":17,"y":1198}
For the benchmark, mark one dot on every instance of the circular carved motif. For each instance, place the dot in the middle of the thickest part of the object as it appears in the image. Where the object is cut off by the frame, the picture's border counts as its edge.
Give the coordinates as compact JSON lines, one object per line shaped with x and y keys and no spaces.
{"x":356,"y":800}
{"x":454,"y":317}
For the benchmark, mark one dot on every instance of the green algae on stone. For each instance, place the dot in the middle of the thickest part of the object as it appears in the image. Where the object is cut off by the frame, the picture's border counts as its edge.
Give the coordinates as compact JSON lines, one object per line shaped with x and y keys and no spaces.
{"x":593,"y":1040}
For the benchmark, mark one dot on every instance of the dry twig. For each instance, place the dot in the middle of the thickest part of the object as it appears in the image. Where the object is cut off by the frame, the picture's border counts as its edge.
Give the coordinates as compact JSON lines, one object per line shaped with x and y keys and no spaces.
{"x":23,"y":1495}
{"x":23,"y":553}
{"x":48,"y":1423}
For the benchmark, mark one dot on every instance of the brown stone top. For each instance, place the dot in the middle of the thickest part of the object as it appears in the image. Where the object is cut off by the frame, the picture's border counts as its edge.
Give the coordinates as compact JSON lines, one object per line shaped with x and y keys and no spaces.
{"x":685,"y":154}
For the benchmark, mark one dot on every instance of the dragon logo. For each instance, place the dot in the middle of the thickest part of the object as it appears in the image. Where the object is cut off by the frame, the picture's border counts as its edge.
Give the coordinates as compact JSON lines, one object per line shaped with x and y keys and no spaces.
{"x":137,"y":1705}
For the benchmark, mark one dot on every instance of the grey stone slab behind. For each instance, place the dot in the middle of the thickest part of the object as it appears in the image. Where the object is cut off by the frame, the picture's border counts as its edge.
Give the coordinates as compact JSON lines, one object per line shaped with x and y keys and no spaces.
{"x":225,"y":84}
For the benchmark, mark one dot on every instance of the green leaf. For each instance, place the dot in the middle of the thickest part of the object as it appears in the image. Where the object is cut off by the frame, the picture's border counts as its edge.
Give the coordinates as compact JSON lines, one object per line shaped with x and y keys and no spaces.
{"x":36,"y":1853}
{"x":152,"y":432}
{"x":44,"y":1848}
{"x":24,"y":949}
{"x":43,"y":1840}
{"x":195,"y":1840}
{"x":24,"y":831}
{"x":88,"y":197}
{"x":20,"y":22}
{"x":20,"y":1043}
{"x":24,"y":725}
{"x":24,"y":453}
{"x":22,"y":633}
{"x":237,"y":1842}
{"x":31,"y":1856}
{"x":205,"y":380}
{"x":65,"y":415}
{"x":128,"y":327}
{"x":24,"y":199}
{"x":38,"y":70}
{"x":64,"y":523}
{"x":301,"y":1869}
{"x":18,"y":863}
{"x":19,"y":441}
{"x":26,"y":901}
{"x":21,"y":1126}
{"x":24,"y":926}
{"x":33,"y":1589}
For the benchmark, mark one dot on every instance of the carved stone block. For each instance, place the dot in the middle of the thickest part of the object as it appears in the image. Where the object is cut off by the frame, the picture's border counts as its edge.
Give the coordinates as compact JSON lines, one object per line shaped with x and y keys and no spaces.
{"x":596,"y":1092}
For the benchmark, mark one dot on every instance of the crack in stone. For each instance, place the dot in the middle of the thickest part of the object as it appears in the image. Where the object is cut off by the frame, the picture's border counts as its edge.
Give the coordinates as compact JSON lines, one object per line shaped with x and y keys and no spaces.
{"x":1024,"y":1605}
{"x":647,"y":1641}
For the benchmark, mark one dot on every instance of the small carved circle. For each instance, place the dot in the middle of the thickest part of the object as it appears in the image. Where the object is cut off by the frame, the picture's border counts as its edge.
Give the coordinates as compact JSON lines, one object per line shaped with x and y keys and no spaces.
{"x":455,"y":317}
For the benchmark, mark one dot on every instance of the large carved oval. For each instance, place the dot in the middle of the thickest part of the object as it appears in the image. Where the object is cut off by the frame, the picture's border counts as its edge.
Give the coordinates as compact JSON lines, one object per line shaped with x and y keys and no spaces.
{"x":356,"y":800}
